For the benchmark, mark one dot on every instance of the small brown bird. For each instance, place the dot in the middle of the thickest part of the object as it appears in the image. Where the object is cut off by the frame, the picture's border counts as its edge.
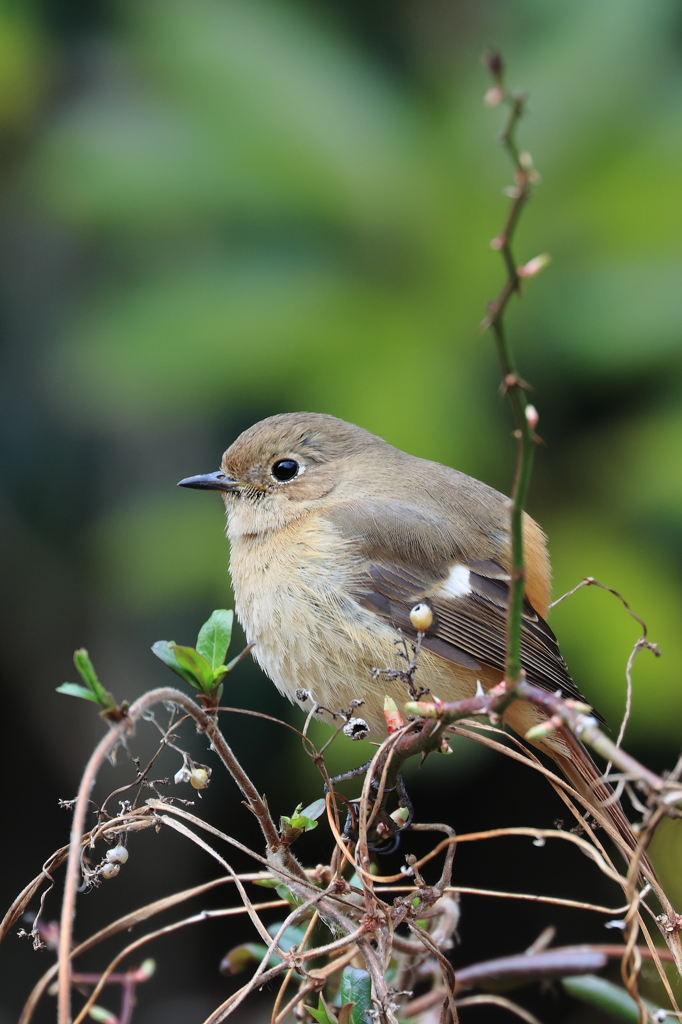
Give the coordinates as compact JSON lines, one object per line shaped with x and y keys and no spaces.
{"x":335,"y":536}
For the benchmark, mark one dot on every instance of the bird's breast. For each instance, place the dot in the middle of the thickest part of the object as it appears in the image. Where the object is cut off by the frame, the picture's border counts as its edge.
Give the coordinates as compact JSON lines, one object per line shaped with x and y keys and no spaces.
{"x":293,"y":596}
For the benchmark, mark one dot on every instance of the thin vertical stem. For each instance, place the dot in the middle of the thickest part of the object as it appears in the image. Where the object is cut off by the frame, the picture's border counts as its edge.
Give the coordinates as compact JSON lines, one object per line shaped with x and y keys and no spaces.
{"x":512,"y":383}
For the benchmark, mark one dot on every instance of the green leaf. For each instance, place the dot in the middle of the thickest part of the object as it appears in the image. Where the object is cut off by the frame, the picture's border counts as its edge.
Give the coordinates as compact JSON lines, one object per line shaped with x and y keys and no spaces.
{"x":267,"y":883}
{"x":608,"y":997}
{"x":165,"y":651}
{"x":291,"y":936}
{"x":316,"y":809}
{"x":86,"y":670}
{"x":323,"y":1015}
{"x":356,"y":988}
{"x":298,"y":820}
{"x":290,"y":897}
{"x":241,"y":957}
{"x":235,"y":661}
{"x":93,"y":689}
{"x":76,"y":690}
{"x":214,"y":637}
{"x":319,"y":1014}
{"x":195,"y":663}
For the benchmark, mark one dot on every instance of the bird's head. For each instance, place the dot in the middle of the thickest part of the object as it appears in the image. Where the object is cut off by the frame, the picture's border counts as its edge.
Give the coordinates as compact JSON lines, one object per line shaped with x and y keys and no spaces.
{"x":285,"y":465}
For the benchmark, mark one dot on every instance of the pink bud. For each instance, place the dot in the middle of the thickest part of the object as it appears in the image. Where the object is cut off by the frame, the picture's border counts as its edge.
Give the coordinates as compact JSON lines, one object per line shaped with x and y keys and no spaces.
{"x":535,"y":265}
{"x":494,"y":96}
{"x":394,"y":720}
{"x":400,"y":815}
{"x":532,"y":416}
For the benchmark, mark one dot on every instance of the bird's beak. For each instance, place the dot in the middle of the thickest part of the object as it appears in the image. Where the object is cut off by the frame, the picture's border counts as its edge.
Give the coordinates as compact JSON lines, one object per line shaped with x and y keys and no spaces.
{"x":218,"y":481}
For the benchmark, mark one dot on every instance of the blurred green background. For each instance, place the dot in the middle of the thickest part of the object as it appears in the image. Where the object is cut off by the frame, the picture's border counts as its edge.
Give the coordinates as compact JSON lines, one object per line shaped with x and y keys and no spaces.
{"x":214,"y":210}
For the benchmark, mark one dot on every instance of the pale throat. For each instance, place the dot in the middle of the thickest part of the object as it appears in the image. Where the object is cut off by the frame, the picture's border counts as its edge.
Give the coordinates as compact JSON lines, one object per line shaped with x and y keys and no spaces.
{"x":248,"y":519}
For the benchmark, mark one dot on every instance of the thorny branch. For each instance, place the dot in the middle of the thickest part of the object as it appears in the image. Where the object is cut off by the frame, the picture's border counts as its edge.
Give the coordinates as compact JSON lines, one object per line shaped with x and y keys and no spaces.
{"x":368,"y":922}
{"x":525,"y":416}
{"x":106,"y":745}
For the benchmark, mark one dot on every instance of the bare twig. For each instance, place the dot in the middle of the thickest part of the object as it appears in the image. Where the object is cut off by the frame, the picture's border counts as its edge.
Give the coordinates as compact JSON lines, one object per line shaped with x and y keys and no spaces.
{"x":512,"y":383}
{"x":507,"y":1004}
{"x":103,"y":749}
{"x":642,"y":644}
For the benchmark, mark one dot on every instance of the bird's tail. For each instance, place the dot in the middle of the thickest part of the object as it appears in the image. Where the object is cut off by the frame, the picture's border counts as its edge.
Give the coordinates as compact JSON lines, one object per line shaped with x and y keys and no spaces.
{"x":581,"y":771}
{"x":584,"y":775}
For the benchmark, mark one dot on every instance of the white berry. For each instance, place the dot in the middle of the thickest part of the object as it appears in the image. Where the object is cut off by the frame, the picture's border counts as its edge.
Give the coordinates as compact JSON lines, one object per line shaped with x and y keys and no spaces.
{"x":117,"y":855}
{"x":421,"y":617}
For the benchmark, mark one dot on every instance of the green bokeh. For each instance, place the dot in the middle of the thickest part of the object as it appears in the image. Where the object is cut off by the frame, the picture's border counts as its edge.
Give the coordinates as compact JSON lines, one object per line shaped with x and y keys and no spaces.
{"x":274,"y":216}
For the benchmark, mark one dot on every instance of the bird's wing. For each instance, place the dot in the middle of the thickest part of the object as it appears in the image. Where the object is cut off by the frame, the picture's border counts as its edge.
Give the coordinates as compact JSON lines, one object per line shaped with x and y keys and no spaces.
{"x":406,"y":557}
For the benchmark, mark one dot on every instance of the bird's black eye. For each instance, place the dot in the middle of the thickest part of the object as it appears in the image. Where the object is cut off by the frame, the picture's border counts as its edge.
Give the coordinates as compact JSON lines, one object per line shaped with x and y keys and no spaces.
{"x":285,"y":469}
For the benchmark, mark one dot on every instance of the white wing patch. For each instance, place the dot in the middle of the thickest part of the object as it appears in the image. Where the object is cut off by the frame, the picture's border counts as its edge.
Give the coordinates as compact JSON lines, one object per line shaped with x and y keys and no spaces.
{"x":457,"y":584}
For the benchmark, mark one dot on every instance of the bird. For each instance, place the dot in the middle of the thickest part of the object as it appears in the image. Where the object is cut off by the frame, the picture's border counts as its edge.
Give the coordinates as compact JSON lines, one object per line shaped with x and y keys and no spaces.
{"x":335,"y":536}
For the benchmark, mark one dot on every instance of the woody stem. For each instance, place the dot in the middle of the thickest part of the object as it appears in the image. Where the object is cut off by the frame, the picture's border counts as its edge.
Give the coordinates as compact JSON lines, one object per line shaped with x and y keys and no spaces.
{"x":108,"y":743}
{"x":519,"y":495}
{"x":514,"y":387}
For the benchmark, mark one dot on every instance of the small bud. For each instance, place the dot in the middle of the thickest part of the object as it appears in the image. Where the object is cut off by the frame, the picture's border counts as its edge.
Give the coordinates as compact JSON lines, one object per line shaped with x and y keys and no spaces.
{"x":498,"y":242}
{"x":537,"y":732}
{"x":421,"y":617}
{"x":577,"y":705}
{"x":356,"y":729}
{"x":492,"y":59}
{"x":445,"y":747}
{"x":102,"y":1016}
{"x":109,"y":870}
{"x":494,"y":96}
{"x":422,"y":709}
{"x":117,"y":855}
{"x":525,"y":159}
{"x":532,"y":416}
{"x":145,"y":970}
{"x":535,"y":265}
{"x":394,"y":720}
{"x":183,"y":775}
{"x":400,"y":815}
{"x":200,"y":778}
